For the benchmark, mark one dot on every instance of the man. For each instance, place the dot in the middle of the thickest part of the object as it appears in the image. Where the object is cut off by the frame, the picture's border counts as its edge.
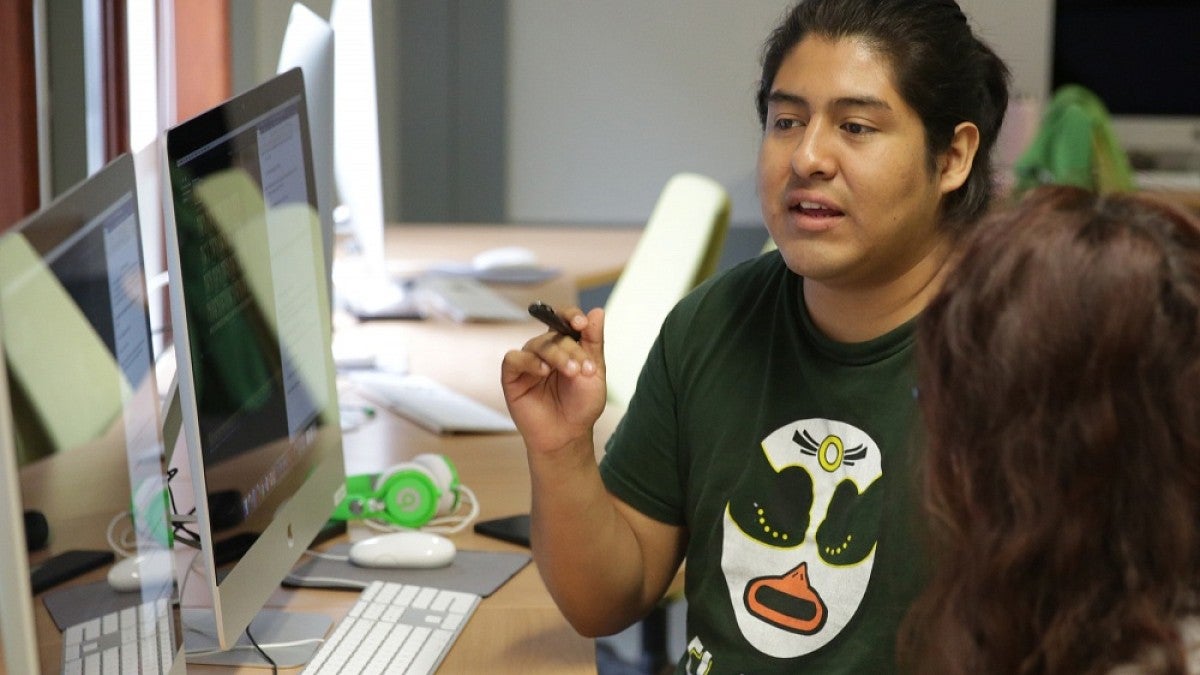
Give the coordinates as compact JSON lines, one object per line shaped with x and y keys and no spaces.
{"x":769,"y":439}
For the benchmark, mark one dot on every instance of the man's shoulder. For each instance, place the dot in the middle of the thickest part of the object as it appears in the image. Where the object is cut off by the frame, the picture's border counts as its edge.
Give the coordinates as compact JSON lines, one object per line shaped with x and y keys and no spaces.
{"x":748,"y":277}
{"x":731,"y":294}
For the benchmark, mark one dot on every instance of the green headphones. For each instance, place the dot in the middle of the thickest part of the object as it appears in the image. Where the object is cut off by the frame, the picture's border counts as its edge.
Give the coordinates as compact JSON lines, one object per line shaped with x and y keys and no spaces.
{"x":409,"y":494}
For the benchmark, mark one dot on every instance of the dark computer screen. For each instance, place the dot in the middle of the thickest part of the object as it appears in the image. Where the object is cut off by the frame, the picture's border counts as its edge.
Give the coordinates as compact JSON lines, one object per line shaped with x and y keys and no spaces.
{"x":231,"y":199}
{"x":79,"y":366}
{"x":252,"y":334}
{"x":1139,"y":56}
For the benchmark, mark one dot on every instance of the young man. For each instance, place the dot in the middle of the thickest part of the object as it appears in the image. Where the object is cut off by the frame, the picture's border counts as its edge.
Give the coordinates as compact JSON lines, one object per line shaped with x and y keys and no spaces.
{"x":769,"y":439}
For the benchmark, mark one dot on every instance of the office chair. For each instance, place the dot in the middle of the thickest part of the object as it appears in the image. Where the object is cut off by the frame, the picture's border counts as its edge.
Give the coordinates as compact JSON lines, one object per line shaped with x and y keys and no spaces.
{"x":1075,"y":145}
{"x":678,"y":249}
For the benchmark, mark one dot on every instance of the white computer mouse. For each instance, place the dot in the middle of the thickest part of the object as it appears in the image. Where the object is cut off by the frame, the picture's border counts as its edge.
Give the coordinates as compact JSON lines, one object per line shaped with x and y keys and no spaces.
{"x":421,"y":550}
{"x":132,"y":573}
{"x":504,"y":257}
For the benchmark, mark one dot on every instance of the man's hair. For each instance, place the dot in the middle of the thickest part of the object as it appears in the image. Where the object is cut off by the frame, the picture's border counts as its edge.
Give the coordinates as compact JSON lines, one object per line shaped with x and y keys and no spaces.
{"x":940,"y":68}
{"x":1058,"y":374}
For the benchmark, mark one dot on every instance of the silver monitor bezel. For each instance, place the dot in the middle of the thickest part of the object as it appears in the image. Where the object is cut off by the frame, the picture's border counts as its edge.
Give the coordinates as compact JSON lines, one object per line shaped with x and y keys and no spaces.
{"x":237,"y":597}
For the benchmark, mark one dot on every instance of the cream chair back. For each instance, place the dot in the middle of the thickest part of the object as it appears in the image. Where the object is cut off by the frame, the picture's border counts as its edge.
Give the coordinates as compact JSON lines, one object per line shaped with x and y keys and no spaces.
{"x":679,"y":248}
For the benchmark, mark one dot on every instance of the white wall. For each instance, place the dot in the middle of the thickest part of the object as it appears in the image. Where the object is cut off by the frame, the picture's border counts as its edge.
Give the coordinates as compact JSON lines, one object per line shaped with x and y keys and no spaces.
{"x":608,"y":99}
{"x":1020,"y":31}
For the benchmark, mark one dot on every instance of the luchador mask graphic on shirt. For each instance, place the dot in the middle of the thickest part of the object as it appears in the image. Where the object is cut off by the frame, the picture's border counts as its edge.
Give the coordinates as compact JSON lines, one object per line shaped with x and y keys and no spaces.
{"x":799,"y":535}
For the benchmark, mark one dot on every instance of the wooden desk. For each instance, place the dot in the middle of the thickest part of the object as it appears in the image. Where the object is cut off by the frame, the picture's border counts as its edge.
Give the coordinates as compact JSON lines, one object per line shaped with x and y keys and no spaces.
{"x":590,"y":256}
{"x":518,"y":629}
{"x":1188,"y":199}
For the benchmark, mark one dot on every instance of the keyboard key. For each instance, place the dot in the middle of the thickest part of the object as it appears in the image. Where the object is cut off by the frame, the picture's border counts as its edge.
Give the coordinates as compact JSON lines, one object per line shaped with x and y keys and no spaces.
{"x":135,"y":639}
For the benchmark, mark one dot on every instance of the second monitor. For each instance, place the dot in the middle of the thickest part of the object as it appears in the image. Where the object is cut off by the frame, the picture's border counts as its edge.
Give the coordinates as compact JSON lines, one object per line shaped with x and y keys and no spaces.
{"x":252,"y":332}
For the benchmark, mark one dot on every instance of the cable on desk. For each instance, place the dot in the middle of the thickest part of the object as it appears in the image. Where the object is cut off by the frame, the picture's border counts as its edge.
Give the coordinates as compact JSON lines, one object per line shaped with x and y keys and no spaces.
{"x":448,"y":524}
{"x":263,"y":652}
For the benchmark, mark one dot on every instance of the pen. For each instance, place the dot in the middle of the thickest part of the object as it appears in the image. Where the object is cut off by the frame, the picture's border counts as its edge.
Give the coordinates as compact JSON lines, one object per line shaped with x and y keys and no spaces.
{"x":546,"y":314}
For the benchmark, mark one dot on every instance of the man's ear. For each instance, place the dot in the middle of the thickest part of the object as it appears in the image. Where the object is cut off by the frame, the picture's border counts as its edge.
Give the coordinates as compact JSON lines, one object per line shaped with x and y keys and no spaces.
{"x":956,"y":162}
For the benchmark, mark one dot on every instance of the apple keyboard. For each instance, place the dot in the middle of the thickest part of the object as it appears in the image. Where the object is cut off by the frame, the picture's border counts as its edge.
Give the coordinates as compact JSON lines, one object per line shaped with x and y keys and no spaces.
{"x":395,"y":628}
{"x":135,"y":639}
{"x":465,"y":299}
{"x":429,"y":403}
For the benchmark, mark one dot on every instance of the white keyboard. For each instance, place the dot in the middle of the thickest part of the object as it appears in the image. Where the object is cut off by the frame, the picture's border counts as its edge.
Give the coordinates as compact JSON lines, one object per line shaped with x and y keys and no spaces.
{"x":395,"y":628}
{"x":131,"y":640}
{"x":429,"y":403}
{"x":465,"y":299}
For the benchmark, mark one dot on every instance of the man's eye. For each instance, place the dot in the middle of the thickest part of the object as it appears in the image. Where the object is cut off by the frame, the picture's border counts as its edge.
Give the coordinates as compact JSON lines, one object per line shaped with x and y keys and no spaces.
{"x":786,"y":123}
{"x":856,"y":128}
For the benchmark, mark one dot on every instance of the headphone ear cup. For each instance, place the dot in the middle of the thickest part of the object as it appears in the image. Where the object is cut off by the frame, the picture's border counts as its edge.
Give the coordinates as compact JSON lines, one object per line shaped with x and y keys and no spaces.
{"x":447,"y":479}
{"x":410,"y":494}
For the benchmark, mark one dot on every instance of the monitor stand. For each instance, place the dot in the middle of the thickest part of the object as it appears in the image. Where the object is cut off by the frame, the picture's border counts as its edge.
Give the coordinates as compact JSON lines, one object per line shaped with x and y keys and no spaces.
{"x":290,"y":638}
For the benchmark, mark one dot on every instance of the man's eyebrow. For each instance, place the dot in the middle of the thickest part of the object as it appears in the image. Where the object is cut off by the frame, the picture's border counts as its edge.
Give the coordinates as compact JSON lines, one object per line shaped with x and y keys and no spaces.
{"x":786,"y":97}
{"x":778,"y":96}
{"x":862,"y":102}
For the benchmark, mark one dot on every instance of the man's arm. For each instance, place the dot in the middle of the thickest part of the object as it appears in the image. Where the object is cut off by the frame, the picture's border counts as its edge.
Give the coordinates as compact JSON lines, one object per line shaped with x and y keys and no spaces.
{"x":605,"y":564}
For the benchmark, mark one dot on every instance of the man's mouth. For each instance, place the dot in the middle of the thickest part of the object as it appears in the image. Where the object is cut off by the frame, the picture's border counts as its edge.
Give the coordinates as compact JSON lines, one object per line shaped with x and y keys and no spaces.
{"x":814,"y":210}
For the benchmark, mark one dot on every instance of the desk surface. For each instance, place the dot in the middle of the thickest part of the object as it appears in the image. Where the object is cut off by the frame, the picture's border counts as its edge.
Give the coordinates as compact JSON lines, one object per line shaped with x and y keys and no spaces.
{"x":590,"y":256}
{"x":518,"y":629}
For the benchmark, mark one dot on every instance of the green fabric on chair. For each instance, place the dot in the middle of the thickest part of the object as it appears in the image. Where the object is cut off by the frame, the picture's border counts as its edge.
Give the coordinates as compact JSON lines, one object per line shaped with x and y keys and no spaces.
{"x":1075,"y":145}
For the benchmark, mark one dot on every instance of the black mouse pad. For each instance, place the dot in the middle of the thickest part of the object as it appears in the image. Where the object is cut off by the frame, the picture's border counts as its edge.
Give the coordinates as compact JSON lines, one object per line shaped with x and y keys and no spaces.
{"x":76,"y":604}
{"x":478,"y":572}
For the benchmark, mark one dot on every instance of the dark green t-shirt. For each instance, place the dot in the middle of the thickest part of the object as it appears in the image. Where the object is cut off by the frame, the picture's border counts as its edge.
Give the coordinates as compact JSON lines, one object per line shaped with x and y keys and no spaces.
{"x":788,"y":458}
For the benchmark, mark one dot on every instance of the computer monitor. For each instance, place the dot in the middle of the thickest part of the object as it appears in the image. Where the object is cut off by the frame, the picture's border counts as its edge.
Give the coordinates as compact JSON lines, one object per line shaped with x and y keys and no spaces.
{"x":256,"y":379}
{"x":1139,"y":57}
{"x":364,"y":286}
{"x":79,"y":410}
{"x":18,"y":637}
{"x":308,"y":45}
{"x":356,"y":162}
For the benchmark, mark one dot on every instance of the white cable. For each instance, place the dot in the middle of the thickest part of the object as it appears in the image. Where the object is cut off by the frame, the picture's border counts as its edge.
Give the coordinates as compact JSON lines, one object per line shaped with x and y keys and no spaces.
{"x":242,"y":648}
{"x":329,"y":582}
{"x":452,"y":524}
{"x":384,"y":526}
{"x":327,"y":556}
{"x":447,"y":524}
{"x":187,"y":572}
{"x":119,"y":547}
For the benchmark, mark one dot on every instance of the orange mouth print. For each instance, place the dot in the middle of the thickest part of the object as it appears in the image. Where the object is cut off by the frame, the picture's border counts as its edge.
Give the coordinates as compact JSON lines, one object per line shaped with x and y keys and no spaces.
{"x":788,"y":602}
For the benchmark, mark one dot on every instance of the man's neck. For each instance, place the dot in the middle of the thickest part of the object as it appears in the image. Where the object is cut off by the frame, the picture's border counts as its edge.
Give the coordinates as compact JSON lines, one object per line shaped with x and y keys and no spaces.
{"x":857,"y":313}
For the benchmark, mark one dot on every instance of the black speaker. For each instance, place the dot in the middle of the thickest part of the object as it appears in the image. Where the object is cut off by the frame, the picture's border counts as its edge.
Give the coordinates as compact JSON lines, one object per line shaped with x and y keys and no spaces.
{"x":37,"y":530}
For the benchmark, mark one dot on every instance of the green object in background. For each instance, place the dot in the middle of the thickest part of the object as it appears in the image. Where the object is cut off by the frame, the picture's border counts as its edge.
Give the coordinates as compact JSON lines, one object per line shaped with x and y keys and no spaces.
{"x":1075,"y":145}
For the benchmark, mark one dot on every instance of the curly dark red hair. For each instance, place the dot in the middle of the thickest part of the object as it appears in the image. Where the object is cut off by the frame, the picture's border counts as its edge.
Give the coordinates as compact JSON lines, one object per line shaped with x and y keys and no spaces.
{"x":1060,"y":386}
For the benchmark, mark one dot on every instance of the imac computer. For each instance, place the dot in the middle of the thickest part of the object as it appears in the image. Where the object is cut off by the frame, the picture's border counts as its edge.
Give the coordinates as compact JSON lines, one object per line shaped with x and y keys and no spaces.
{"x":252,"y":328}
{"x":80,"y":435}
{"x":364,"y":286}
{"x":308,"y":45}
{"x":18,"y":637}
{"x":1140,"y":58}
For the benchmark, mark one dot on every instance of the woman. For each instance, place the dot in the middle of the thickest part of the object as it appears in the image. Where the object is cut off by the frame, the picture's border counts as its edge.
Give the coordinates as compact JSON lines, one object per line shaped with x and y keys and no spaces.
{"x":1060,"y":383}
